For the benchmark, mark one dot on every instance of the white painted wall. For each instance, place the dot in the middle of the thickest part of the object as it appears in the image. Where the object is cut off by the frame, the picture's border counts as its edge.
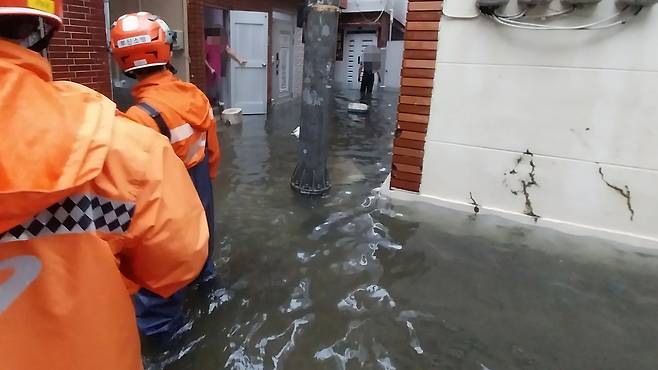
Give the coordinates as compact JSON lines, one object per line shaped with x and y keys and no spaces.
{"x":397,"y":7}
{"x":582,"y":102}
{"x":400,"y":10}
{"x":340,"y":76}
{"x":393,"y":67}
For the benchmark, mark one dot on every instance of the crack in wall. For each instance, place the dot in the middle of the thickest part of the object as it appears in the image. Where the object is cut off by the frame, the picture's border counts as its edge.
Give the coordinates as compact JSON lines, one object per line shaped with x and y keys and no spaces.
{"x":529,"y":209}
{"x":626,"y":193}
{"x":526,"y":183}
{"x":474,"y":203}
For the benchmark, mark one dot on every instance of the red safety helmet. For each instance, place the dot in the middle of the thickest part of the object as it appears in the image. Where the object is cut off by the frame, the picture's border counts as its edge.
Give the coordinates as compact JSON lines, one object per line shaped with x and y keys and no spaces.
{"x":141,"y":40}
{"x":51,"y":11}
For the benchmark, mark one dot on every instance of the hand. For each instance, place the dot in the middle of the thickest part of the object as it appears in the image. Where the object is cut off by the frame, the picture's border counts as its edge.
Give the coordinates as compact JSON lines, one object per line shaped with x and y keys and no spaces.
{"x":212,"y":71}
{"x":243,"y":62}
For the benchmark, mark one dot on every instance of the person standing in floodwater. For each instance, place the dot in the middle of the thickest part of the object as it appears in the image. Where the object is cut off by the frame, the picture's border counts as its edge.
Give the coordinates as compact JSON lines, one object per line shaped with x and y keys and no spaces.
{"x":216,"y":47}
{"x":369,"y":64}
{"x":367,"y":78}
{"x":142,"y":45}
{"x":90,"y":205}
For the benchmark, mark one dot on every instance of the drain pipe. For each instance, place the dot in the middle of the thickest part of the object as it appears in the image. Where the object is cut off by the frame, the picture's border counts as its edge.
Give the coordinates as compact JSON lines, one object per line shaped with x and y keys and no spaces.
{"x":311,"y":176}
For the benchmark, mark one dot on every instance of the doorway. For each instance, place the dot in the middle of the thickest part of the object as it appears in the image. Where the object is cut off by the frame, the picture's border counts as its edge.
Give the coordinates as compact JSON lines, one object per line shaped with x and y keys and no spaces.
{"x":355,"y":45}
{"x":216,"y":36}
{"x":283,"y":33}
{"x":248,"y":81}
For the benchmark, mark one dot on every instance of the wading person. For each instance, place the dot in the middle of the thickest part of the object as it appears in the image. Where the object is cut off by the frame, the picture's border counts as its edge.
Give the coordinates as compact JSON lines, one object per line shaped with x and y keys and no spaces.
{"x":142,"y":46}
{"x":367,"y":76}
{"x":90,"y":203}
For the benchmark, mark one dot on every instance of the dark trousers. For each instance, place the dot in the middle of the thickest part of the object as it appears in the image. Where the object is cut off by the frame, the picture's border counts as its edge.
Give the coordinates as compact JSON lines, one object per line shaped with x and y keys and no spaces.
{"x":161,"y":316}
{"x":367,"y":83}
{"x":200,"y":175}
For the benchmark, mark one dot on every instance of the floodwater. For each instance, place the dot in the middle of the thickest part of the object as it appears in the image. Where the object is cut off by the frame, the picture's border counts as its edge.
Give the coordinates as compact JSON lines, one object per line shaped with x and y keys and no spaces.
{"x":352,"y":281}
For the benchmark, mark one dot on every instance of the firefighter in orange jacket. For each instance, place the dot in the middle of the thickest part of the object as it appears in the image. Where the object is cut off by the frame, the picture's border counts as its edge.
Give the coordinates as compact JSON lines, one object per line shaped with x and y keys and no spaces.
{"x":90,"y":203}
{"x":142,"y":47}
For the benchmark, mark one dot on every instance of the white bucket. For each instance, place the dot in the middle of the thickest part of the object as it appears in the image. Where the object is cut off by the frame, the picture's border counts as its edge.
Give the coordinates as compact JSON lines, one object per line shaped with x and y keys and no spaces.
{"x":357,"y":108}
{"x":232,"y":116}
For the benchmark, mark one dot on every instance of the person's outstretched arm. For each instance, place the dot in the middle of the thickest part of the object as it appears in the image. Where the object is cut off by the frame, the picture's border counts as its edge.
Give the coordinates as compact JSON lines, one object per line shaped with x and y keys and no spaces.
{"x":235,"y":55}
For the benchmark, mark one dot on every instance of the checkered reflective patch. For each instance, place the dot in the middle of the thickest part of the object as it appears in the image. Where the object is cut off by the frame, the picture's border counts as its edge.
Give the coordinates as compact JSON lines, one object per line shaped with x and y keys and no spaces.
{"x":75,"y":215}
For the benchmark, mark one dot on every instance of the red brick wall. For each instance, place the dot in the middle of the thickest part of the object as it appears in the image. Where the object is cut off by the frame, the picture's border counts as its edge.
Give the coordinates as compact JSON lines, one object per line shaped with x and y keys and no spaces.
{"x":418,"y":66}
{"x":79,"y":52}
{"x":196,"y":42}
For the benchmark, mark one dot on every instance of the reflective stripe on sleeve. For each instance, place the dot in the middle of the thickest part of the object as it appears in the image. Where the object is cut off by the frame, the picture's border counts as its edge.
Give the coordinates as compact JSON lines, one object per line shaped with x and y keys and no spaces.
{"x":200,"y":144}
{"x":181,"y":133}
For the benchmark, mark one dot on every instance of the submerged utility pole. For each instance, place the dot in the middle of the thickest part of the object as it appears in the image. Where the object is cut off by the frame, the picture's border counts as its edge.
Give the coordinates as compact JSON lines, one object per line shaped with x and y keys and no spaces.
{"x":320,"y":32}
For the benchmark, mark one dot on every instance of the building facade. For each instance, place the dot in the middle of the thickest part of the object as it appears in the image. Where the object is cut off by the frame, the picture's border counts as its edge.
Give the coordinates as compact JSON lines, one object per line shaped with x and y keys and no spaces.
{"x":80,"y":51}
{"x":553,"y":128}
{"x":364,"y":23}
{"x":196,"y":10}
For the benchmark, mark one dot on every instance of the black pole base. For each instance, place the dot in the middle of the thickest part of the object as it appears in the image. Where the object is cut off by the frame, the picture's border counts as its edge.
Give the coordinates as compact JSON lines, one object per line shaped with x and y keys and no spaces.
{"x":310,"y":182}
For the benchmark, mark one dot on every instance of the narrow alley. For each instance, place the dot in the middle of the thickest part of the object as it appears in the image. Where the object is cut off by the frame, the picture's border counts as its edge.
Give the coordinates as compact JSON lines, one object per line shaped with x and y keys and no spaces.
{"x":381,"y":185}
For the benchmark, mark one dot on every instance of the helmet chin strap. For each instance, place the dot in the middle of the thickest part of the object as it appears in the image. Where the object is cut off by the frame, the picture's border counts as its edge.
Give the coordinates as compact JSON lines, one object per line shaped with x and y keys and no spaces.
{"x":168,"y":66}
{"x":43,"y":43}
{"x":36,"y":42}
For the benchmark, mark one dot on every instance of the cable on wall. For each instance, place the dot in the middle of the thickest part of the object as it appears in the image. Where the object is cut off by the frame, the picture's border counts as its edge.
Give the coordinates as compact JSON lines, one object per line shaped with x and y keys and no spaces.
{"x":522,"y":19}
{"x":366,"y":18}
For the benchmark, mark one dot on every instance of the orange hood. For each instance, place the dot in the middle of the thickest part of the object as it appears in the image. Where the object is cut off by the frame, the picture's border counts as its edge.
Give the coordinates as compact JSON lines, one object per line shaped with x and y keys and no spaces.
{"x":175,"y":95}
{"x":54,"y":135}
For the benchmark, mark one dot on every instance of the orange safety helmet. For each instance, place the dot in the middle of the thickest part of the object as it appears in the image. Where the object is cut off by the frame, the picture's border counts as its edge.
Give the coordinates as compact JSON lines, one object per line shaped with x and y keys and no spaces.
{"x":51,"y":11}
{"x":141,"y":40}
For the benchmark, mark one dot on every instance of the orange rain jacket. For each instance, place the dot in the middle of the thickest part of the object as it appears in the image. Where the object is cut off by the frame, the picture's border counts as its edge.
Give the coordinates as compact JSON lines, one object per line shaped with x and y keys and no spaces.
{"x":88,"y":201}
{"x":188,"y":115}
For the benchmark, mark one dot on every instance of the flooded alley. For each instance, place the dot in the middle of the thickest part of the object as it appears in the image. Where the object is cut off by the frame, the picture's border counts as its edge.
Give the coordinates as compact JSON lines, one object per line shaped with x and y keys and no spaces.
{"x":353,"y":281}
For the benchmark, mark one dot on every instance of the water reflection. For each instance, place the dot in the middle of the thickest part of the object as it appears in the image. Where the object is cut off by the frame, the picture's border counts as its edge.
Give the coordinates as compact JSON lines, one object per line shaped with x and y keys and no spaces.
{"x":350,"y":281}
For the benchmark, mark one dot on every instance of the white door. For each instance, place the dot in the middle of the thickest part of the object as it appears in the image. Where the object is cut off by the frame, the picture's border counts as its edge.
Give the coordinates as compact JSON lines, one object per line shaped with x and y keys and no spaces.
{"x":249,"y":81}
{"x":282,"y":54}
{"x":355,"y":45}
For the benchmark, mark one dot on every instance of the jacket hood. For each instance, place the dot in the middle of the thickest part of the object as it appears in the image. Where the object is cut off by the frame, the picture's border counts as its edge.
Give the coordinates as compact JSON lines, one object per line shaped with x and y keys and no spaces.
{"x":163,"y":89}
{"x":54,"y":138}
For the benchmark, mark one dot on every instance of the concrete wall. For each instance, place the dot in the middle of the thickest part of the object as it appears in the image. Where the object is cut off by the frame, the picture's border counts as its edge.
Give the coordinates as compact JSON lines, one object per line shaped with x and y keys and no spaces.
{"x":298,"y":67}
{"x":394,"y":50}
{"x":397,"y":7}
{"x":340,"y":78}
{"x":400,"y":10}
{"x":553,"y":126}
